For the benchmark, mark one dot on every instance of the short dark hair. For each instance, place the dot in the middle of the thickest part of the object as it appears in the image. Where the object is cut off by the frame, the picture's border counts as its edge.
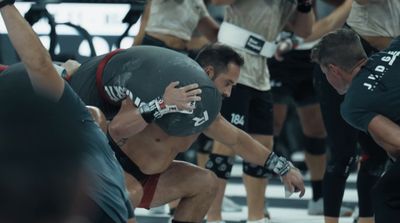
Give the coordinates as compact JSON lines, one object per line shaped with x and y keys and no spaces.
{"x":218,"y":56}
{"x":341,"y":47}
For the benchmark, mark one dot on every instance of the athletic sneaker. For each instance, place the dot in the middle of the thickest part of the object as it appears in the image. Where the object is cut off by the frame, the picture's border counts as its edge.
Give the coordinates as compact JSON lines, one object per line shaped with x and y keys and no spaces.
{"x":229,"y":205}
{"x":163,"y":209}
{"x":317,"y":208}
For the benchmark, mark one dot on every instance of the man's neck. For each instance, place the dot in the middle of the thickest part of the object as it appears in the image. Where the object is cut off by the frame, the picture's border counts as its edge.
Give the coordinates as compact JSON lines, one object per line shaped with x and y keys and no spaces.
{"x":357,"y":67}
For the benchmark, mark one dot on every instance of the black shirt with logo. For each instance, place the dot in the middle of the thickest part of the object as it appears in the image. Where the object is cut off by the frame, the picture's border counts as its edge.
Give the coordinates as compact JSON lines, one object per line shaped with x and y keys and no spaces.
{"x":375,"y":90}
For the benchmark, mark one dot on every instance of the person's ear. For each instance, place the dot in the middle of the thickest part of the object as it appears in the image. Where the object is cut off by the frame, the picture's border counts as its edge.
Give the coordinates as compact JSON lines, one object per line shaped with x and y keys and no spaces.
{"x":210,"y":71}
{"x":335,"y":70}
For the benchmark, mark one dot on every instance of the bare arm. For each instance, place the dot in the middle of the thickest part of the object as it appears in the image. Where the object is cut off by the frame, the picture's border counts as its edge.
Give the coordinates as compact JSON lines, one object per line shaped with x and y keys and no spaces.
{"x":252,"y":151}
{"x":99,"y":117}
{"x":129,"y":121}
{"x":143,"y":23}
{"x":302,"y":23}
{"x":34,"y":56}
{"x":243,"y":144}
{"x":126,"y":123}
{"x":333,"y":21}
{"x":222,"y":2}
{"x":209,"y":28}
{"x":386,"y":133}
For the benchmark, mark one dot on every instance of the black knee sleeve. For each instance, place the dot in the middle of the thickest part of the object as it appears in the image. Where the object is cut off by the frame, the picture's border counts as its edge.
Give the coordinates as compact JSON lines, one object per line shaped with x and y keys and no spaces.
{"x":221,"y":165}
{"x":315,"y":146}
{"x":255,"y":170}
{"x":333,"y":185}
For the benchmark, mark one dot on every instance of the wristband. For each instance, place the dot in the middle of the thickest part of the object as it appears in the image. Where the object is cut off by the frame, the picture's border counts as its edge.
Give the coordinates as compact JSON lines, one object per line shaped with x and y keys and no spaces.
{"x":278,"y":164}
{"x":304,"y":6}
{"x":155,"y":109}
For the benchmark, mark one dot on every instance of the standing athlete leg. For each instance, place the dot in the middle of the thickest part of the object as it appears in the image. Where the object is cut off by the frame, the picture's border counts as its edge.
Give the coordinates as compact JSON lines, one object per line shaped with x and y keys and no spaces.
{"x":341,"y":139}
{"x":315,"y":134}
{"x":260,"y":128}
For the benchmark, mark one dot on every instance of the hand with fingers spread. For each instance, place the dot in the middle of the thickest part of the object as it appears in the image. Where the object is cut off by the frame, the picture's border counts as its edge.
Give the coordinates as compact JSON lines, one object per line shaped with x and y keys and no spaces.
{"x":183,"y":98}
{"x":175,"y":99}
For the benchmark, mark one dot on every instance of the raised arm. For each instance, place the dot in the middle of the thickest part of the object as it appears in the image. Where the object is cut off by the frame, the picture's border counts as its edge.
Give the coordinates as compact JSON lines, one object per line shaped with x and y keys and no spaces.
{"x":333,"y":21}
{"x":143,"y":23}
{"x":209,"y":28}
{"x":303,"y":19}
{"x":34,"y":56}
{"x":386,"y":133}
{"x":252,"y":151}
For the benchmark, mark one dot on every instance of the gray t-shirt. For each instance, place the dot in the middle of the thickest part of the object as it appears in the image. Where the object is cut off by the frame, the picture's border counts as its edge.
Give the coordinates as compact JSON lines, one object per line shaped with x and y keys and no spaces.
{"x":377,"y":18}
{"x":266,"y":18}
{"x":178,"y":18}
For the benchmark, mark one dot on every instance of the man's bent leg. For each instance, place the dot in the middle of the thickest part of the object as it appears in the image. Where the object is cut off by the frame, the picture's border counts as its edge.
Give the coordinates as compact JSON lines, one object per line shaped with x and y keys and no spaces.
{"x":196,"y":187}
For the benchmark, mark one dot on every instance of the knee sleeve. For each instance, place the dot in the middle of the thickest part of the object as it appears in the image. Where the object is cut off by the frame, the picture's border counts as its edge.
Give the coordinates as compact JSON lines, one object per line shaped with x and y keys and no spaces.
{"x":315,"y":146}
{"x":255,"y":170}
{"x":221,"y":165}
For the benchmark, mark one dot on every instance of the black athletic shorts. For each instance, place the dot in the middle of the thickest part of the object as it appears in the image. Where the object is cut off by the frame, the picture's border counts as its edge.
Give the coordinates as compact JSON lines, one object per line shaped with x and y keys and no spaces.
{"x":249,"y":109}
{"x":292,"y":79}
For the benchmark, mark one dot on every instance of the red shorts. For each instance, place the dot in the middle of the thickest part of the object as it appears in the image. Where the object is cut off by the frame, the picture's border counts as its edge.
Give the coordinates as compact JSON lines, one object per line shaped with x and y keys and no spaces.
{"x":149,"y":184}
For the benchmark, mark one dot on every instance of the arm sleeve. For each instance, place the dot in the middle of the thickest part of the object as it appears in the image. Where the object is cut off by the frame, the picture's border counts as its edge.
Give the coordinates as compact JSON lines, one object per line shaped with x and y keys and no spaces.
{"x":356,"y":115}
